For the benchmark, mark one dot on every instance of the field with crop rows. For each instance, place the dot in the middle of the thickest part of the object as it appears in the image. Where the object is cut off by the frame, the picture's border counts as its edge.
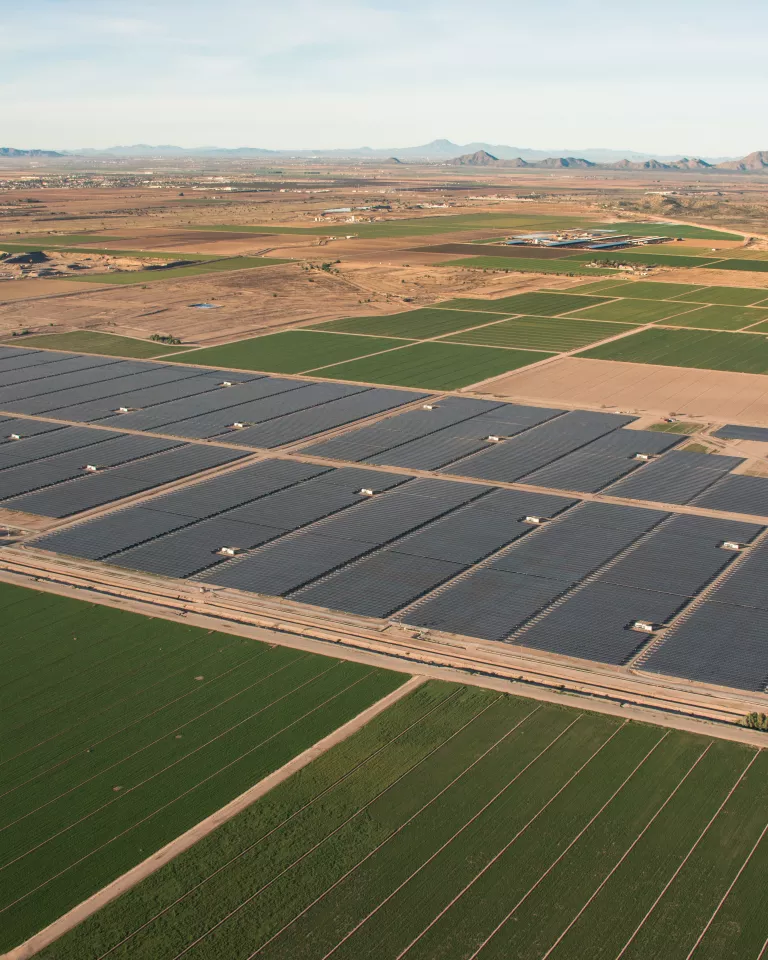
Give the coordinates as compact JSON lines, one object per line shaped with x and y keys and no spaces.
{"x":732,"y":296}
{"x":718,"y":317}
{"x":91,"y":341}
{"x":709,"y":350}
{"x":413,"y":324}
{"x":433,"y":365}
{"x":464,"y":823}
{"x":634,"y":311}
{"x":540,"y":333}
{"x":293,"y":351}
{"x":120,"y":732}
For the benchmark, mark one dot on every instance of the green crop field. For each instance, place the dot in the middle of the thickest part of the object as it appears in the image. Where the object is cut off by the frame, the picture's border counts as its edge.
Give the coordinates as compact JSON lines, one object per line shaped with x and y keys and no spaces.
{"x":413,"y":325}
{"x":708,"y":350}
{"x":756,"y":266}
{"x":651,"y":229}
{"x":293,"y":351}
{"x":731,"y":296}
{"x":634,"y":311}
{"x":543,"y":304}
{"x":61,"y":239}
{"x":91,"y":341}
{"x":530,"y":265}
{"x":121,"y":731}
{"x":540,"y":333}
{"x":632,"y":256}
{"x":464,"y":823}
{"x":651,"y":290}
{"x":433,"y":366}
{"x":719,"y":317}
{"x":175,"y":273}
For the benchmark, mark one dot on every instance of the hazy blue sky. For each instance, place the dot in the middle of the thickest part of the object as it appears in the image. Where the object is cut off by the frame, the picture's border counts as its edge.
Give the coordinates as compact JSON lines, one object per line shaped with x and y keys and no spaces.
{"x":663,"y":76}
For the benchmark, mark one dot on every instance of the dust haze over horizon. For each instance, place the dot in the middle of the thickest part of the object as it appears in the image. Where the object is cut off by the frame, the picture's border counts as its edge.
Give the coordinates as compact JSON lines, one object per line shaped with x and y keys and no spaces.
{"x":661,"y":79}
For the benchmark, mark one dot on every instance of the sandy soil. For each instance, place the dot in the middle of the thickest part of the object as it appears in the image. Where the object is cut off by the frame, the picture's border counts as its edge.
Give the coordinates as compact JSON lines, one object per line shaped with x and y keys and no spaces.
{"x":639,"y":387}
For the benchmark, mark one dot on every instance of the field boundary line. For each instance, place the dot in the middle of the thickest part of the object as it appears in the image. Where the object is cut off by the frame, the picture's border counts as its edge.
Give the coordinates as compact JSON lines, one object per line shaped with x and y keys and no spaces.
{"x":727,"y":893}
{"x":687,"y":857}
{"x":628,"y":851}
{"x":192,"y":836}
{"x":308,"y":804}
{"x":352,"y":817}
{"x":519,"y":833}
{"x":169,"y":803}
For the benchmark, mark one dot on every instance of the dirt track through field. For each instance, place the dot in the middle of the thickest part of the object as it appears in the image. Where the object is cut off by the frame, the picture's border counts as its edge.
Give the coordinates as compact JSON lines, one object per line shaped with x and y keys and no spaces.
{"x":149,"y":866}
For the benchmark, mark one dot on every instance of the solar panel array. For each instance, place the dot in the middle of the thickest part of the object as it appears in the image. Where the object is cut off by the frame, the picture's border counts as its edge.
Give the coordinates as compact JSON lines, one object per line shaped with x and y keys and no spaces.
{"x":723,"y":640}
{"x":184,"y":401}
{"x":734,"y":431}
{"x":677,"y":477}
{"x":462,"y":557}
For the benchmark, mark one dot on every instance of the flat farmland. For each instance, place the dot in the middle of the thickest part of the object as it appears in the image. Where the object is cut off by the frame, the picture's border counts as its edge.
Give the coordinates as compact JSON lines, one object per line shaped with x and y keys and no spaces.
{"x":657,"y":257}
{"x":413,"y":324}
{"x":120,"y":732}
{"x":732,"y":296}
{"x":709,"y":350}
{"x":568,"y":267}
{"x":293,"y":351}
{"x":634,"y":311}
{"x":755,"y":266}
{"x":433,"y":366}
{"x":650,"y":290}
{"x":465,"y":823}
{"x":719,"y":317}
{"x":544,"y":304}
{"x":540,"y":333}
{"x":91,"y":341}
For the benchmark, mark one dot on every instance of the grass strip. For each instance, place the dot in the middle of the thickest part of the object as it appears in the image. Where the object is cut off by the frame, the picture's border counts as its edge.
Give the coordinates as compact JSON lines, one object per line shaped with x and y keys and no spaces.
{"x":179,"y":273}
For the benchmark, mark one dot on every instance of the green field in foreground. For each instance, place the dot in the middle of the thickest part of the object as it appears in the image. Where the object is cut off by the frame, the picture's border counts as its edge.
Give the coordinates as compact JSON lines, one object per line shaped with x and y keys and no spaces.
{"x":540,"y":333}
{"x":293,"y":351}
{"x":91,"y":341}
{"x":414,"y":324}
{"x":433,"y":366}
{"x":530,"y":265}
{"x":708,"y":350}
{"x":123,"y":731}
{"x":177,"y":273}
{"x":466,"y":823}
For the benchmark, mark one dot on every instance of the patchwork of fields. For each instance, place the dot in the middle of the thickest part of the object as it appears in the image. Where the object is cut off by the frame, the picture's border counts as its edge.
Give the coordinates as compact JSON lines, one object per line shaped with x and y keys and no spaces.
{"x":430,"y":347}
{"x":106,"y":344}
{"x":464,"y":823}
{"x":122,"y":731}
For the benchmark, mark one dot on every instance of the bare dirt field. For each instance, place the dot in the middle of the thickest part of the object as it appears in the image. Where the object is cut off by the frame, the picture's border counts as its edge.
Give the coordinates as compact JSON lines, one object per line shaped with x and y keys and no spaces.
{"x":640,"y":387}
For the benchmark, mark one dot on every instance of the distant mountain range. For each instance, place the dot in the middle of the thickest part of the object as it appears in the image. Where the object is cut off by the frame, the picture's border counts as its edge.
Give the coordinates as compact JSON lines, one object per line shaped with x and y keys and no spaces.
{"x":757,"y":161}
{"x":13,"y":152}
{"x":441,"y":151}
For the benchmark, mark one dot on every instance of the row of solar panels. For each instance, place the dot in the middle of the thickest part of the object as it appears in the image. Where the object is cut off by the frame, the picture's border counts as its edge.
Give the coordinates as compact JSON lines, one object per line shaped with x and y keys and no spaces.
{"x":724,"y":639}
{"x":189,"y":402}
{"x":457,"y":557}
{"x":57,"y":471}
{"x":580,"y":450}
